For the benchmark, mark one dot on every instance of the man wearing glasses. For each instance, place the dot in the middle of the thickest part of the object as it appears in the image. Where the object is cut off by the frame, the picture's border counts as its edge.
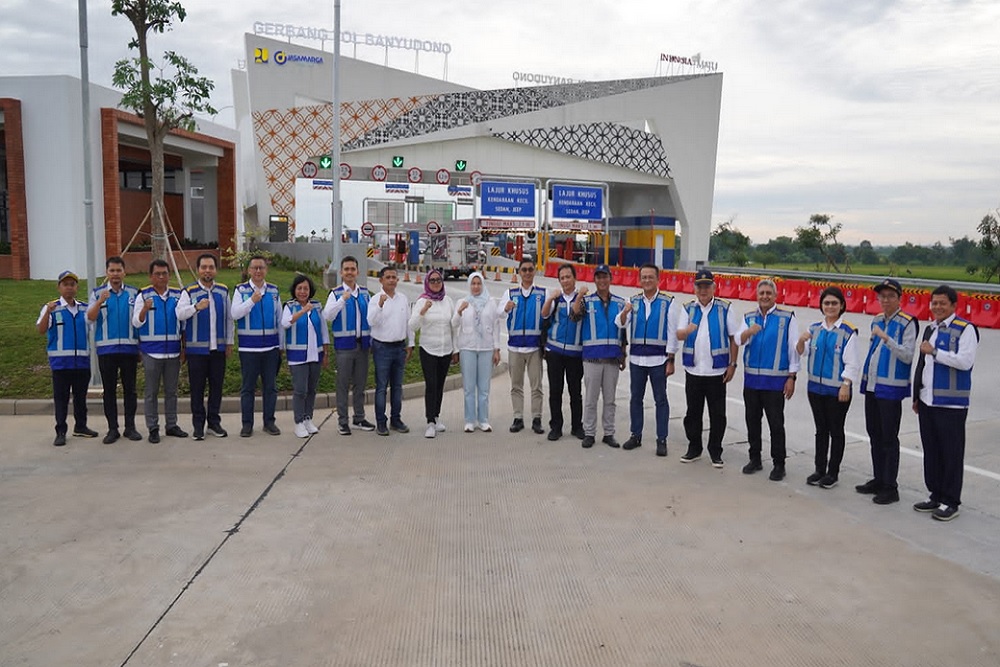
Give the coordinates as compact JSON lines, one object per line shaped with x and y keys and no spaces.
{"x":256,"y":310}
{"x":523,"y":305}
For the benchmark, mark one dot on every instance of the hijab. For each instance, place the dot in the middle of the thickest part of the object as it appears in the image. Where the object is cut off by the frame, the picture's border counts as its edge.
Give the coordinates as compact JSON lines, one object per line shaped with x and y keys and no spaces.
{"x":478,"y":302}
{"x":428,"y":294}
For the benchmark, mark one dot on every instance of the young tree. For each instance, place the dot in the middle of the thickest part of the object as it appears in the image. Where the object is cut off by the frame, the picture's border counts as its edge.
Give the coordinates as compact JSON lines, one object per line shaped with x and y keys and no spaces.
{"x":165,"y":102}
{"x":820,"y":234}
{"x":729,"y":245}
{"x":989,"y":247}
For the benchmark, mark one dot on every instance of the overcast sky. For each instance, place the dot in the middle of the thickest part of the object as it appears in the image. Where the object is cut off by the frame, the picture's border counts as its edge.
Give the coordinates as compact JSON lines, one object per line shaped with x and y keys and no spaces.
{"x":884,"y":114}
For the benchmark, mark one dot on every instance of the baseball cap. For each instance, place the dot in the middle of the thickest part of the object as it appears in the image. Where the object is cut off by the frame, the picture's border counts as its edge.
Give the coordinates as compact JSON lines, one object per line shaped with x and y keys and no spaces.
{"x":704,"y":276}
{"x":602,"y":268}
{"x":66,"y":275}
{"x":891,"y":284}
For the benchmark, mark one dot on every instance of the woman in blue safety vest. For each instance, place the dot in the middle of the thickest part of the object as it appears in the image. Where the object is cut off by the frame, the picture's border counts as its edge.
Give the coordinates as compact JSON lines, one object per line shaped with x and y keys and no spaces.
{"x":307,"y":344}
{"x":834,"y":366}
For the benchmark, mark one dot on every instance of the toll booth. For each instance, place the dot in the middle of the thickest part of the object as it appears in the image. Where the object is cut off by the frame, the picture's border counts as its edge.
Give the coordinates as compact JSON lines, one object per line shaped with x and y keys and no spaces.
{"x":636,"y":240}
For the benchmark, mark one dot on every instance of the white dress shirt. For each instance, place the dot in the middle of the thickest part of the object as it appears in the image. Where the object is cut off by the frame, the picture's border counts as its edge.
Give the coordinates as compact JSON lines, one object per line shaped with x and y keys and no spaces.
{"x":437,"y":336}
{"x":71,"y":307}
{"x":703,"y":339}
{"x":186,"y":310}
{"x":390,"y":322}
{"x":852,"y":362}
{"x":794,"y":362}
{"x":138,"y":319}
{"x":504,"y":300}
{"x":623,"y":320}
{"x":478,"y":332}
{"x":312,"y":344}
{"x":334,"y":306}
{"x":962,"y":360}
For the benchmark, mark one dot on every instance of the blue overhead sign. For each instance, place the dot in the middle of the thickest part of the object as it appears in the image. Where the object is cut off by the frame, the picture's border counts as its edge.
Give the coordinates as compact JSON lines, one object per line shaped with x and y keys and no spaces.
{"x":577,"y":202}
{"x":507,"y":200}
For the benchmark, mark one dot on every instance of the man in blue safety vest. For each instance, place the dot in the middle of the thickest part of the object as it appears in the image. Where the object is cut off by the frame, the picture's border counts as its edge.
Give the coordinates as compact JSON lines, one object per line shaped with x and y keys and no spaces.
{"x":770,"y":368}
{"x":155,"y":319}
{"x":117,"y":346}
{"x":941,"y":387}
{"x":208,"y":342}
{"x":885,"y":382}
{"x":65,"y":323}
{"x":523,"y":306}
{"x":705,"y":329}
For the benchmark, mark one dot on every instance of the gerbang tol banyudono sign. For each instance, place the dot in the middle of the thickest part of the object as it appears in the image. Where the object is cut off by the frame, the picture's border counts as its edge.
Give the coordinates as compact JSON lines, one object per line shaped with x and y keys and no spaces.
{"x":291,"y":31}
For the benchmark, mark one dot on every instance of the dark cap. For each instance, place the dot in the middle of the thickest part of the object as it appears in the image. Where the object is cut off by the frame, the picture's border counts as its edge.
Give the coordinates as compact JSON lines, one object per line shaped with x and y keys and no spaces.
{"x":704,"y":276}
{"x":889,"y":283}
{"x":68,"y":275}
{"x":602,"y":268}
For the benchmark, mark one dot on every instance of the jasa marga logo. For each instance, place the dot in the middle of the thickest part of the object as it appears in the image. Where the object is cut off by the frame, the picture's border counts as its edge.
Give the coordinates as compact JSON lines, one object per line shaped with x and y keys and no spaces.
{"x":280,"y":57}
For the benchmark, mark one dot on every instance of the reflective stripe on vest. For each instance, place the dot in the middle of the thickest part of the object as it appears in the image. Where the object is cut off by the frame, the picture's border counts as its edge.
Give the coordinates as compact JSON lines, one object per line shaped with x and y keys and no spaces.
{"x":259,"y":327}
{"x":161,"y":332}
{"x":765,"y":355}
{"x":345,"y":325}
{"x":197,"y":330}
{"x":826,"y":357}
{"x":67,"y":338}
{"x":717,"y":329}
{"x":892,"y":375}
{"x":649,"y":330}
{"x":524,"y":322}
{"x":951,"y":386}
{"x":599,"y":336}
{"x":297,"y":335}
{"x":564,"y":334}
{"x":113,"y":330}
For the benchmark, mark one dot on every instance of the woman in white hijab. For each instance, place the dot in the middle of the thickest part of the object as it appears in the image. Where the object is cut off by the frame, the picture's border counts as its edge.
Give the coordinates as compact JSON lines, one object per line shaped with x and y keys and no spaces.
{"x":476,"y":323}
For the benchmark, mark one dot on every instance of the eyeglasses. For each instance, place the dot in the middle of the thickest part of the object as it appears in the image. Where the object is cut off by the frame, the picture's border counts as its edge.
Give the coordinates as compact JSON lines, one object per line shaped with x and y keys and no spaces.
{"x":257,"y":268}
{"x":435,"y":280}
{"x":528,"y":270}
{"x":831,"y":303}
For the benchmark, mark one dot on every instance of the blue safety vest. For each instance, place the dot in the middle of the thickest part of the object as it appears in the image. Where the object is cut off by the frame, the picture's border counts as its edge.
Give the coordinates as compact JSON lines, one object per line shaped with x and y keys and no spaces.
{"x":892,"y":375}
{"x":113,"y":330}
{"x":259,"y":328}
{"x":765,"y":356}
{"x":826,"y":357}
{"x":564,"y":333}
{"x":718,"y":331}
{"x":198,"y":329}
{"x":524,"y":322}
{"x":649,"y":329}
{"x":161,"y":332}
{"x":67,"y":338}
{"x":600,"y":337}
{"x":297,"y":335}
{"x":951,"y":386}
{"x":345,"y":325}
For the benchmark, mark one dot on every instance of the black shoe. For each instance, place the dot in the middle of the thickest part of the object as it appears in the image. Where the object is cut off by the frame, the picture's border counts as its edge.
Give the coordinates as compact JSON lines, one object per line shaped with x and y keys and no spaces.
{"x":198,"y":435}
{"x":813,"y":479}
{"x":364,"y":425}
{"x":400,"y":427}
{"x":517,"y":425}
{"x":588,"y":442}
{"x":176,"y":432}
{"x":886,"y":497}
{"x":717,"y":462}
{"x":827,"y":482}
{"x":111,"y":437}
{"x":246,"y":431}
{"x":870,"y":487}
{"x":536,"y":426}
{"x":154,"y":435}
{"x":84,"y":432}
{"x":218,"y":431}
{"x":132,"y":435}
{"x":344,"y":429}
{"x":610,"y":441}
{"x":60,"y":440}
{"x":382,"y":429}
{"x":578,"y":433}
{"x":272,"y":429}
{"x":554,"y":435}
{"x":634,"y":442}
{"x":752,"y":467}
{"x":691,"y":456}
{"x":661,"y":447}
{"x":777,"y":474}
{"x":945,"y":513}
{"x":926,"y":506}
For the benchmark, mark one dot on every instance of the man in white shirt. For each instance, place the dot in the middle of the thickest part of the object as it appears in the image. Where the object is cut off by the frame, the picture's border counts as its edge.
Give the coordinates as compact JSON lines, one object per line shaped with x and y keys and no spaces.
{"x":941,"y":388}
{"x":522,"y":306}
{"x":204,"y":306}
{"x":392,"y":345}
{"x":705,"y":329}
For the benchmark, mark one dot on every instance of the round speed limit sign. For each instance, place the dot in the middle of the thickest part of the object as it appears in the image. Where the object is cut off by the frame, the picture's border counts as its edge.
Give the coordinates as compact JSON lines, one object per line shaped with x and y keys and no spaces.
{"x":309,"y":169}
{"x":379,"y":173}
{"x":443,"y":176}
{"x":415,"y":175}
{"x":345,"y":171}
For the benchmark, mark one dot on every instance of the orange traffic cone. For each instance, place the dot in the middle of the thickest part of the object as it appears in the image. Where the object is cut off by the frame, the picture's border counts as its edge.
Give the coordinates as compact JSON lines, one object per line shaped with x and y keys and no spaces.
{"x":513,"y":278}
{"x":496,"y":275}
{"x":406,"y":276}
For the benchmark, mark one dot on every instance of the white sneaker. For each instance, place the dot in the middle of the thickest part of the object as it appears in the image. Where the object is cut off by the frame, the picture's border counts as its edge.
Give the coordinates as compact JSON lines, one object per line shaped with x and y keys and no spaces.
{"x":485,"y":427}
{"x":431,"y":431}
{"x":470,"y":427}
{"x":301,"y":431}
{"x":439,"y":426}
{"x":312,"y":428}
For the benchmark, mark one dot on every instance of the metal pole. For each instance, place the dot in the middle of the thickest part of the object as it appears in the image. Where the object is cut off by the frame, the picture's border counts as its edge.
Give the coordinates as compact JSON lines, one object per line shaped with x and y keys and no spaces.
{"x":88,"y":182}
{"x":332,"y":273}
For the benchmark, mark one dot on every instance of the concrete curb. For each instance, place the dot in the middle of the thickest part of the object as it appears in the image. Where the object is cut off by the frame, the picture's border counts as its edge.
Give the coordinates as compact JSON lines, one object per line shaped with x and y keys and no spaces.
{"x":230,"y":404}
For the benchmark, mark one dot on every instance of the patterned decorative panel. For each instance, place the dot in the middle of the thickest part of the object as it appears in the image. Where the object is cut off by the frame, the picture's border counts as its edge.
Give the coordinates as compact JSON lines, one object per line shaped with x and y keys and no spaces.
{"x":601,"y":142}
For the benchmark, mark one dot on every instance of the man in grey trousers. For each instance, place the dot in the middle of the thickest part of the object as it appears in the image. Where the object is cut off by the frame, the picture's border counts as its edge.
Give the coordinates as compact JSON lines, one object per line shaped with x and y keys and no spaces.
{"x":603,"y":355}
{"x":347,"y":311}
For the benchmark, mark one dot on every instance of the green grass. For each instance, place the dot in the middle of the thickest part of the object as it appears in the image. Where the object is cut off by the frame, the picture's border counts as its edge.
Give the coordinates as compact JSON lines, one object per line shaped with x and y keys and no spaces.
{"x":24,"y":366}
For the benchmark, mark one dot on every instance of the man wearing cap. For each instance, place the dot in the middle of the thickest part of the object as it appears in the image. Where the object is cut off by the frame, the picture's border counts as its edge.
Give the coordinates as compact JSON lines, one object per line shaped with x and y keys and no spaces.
{"x":705,"y":329}
{"x":155,"y":319}
{"x":885,"y":382}
{"x":117,"y":346}
{"x":603,"y":355}
{"x":770,"y":365}
{"x":65,"y":322}
{"x":650,"y":317}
